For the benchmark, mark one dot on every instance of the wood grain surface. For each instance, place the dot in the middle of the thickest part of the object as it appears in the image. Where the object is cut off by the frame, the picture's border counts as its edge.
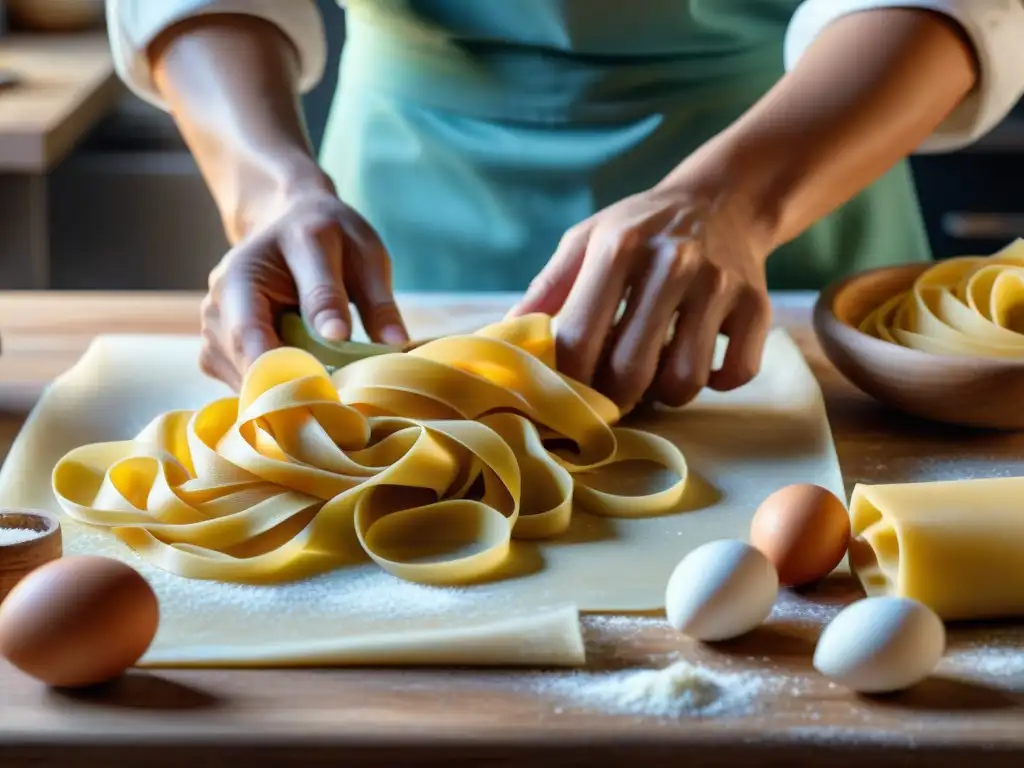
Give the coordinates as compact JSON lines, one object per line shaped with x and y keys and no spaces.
{"x":64,"y":84}
{"x":972,"y":710}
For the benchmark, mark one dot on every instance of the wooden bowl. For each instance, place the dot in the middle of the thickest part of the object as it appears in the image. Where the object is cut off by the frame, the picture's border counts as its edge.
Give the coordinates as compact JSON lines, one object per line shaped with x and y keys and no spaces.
{"x":967,"y":391}
{"x":20,"y":559}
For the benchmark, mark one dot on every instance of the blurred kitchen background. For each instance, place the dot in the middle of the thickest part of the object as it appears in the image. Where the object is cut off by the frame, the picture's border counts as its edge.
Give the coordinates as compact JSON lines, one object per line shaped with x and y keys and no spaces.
{"x":100,"y":193}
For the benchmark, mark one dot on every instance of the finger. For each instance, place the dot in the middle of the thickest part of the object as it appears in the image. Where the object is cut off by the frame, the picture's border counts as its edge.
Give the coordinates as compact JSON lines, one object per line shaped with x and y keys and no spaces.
{"x":246,"y":321}
{"x":368,"y":278}
{"x":687,"y":363}
{"x":747,"y":328}
{"x":589,"y":312}
{"x":214,"y":364}
{"x":314,"y":259}
{"x":550,"y":288}
{"x":632,"y":363}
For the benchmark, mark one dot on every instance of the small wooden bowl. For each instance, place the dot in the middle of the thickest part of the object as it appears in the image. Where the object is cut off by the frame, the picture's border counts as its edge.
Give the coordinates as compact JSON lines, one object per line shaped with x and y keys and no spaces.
{"x":967,"y":391}
{"x":18,"y":560}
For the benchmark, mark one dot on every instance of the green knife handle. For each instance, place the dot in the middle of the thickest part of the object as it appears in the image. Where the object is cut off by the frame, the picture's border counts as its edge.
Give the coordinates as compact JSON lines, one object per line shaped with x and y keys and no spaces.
{"x":296,"y":332}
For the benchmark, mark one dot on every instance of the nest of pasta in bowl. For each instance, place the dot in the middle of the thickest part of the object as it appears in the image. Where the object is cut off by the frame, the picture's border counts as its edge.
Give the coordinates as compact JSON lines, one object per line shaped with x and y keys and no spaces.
{"x":942,"y":341}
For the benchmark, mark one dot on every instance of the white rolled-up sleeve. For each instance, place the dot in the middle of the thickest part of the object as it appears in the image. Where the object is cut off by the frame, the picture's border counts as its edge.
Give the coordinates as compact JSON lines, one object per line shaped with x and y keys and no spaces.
{"x":995,"y":28}
{"x":134,"y":24}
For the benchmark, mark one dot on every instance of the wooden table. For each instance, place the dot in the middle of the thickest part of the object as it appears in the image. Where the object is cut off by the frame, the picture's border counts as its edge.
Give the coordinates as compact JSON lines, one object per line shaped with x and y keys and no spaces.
{"x":399,"y":717}
{"x":65,"y":84}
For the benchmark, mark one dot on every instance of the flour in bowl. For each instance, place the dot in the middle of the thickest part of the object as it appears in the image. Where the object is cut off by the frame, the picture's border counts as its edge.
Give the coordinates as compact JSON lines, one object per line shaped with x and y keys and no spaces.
{"x":9,"y":536}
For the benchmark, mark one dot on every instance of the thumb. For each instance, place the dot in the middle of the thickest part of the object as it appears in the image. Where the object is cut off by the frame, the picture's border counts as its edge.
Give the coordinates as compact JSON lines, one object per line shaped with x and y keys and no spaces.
{"x":550,"y":288}
{"x":315,"y":263}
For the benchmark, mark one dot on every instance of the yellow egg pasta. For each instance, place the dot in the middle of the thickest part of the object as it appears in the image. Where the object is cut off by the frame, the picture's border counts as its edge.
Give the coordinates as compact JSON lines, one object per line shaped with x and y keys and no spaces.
{"x":954,"y":545}
{"x":971,"y":305}
{"x":427,"y":462}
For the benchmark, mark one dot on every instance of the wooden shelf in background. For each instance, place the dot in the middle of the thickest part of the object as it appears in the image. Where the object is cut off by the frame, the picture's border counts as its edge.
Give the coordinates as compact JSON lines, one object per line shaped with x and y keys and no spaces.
{"x":66,"y":84}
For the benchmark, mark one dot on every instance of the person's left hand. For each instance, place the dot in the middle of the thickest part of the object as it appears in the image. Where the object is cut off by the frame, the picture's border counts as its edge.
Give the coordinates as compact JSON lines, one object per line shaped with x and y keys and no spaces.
{"x":688,"y":266}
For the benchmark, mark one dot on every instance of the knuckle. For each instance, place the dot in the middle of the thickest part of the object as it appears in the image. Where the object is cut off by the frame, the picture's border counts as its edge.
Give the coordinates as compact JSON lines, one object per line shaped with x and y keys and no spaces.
{"x":631,"y":237}
{"x":208,"y":362}
{"x":216,"y":277}
{"x":626,"y":368}
{"x":719,"y":281}
{"x":628,"y":376}
{"x":680,"y":385}
{"x":320,"y":298}
{"x":759,"y":302}
{"x":237,"y":266}
{"x":328,"y":206}
{"x":677,"y":393}
{"x":236,"y":342}
{"x":572,"y":236}
{"x":571,"y":337}
{"x":680,"y":268}
{"x":320,"y":230}
{"x":572,"y":354}
{"x":323,"y":227}
{"x":746,"y":372}
{"x":608,"y":240}
{"x":385,"y":313}
{"x":208,"y":309}
{"x":735,"y":377}
{"x":543,"y":282}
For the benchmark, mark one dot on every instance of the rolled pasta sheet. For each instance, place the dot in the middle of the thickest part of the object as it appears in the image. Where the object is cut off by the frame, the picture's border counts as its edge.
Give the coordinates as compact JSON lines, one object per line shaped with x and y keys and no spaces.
{"x":967,"y":306}
{"x":957,"y":546}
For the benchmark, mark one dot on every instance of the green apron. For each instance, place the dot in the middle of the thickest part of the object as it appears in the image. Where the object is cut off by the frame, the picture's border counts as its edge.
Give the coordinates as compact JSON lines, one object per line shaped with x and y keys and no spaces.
{"x":472,"y":133}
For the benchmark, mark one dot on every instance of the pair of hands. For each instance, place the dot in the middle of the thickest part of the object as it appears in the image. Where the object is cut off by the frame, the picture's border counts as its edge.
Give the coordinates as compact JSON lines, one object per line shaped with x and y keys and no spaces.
{"x":684,"y":264}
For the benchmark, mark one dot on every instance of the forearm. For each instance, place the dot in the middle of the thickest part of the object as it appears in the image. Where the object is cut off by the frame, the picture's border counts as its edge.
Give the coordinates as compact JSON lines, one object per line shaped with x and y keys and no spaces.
{"x":231,"y":83}
{"x":864,"y":96}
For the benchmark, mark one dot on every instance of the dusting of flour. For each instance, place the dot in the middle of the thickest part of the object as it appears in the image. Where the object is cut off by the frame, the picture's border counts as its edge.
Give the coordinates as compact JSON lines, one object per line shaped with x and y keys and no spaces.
{"x":989,"y":655}
{"x":677,"y":688}
{"x":10,"y":536}
{"x":368,"y":592}
{"x":681,"y":689}
{"x":280,"y":613}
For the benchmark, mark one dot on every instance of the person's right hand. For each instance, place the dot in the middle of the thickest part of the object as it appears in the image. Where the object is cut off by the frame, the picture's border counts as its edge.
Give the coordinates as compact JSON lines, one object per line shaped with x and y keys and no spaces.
{"x":316,"y":253}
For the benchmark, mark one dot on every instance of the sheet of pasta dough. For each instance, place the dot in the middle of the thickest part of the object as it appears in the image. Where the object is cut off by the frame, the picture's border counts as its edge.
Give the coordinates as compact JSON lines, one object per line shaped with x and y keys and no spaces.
{"x":740,"y":445}
{"x":955,"y":546}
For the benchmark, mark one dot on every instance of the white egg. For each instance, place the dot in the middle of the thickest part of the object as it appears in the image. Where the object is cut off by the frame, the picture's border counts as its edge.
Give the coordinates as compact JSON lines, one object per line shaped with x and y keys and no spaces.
{"x":881,"y":644}
{"x":722,"y":589}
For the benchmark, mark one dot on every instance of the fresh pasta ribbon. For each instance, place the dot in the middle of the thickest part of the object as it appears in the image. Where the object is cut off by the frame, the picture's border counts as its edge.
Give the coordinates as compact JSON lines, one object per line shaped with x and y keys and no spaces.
{"x":971,"y":305}
{"x":428,"y":462}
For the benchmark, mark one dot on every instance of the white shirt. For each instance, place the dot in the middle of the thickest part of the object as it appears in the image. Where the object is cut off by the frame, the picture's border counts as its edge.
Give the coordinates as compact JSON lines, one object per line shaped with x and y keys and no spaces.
{"x":995,"y":27}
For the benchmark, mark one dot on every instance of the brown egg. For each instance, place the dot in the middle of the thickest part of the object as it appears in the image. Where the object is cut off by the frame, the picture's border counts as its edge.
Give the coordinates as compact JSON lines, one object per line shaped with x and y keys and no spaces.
{"x":804,"y":530}
{"x":78,"y":621}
